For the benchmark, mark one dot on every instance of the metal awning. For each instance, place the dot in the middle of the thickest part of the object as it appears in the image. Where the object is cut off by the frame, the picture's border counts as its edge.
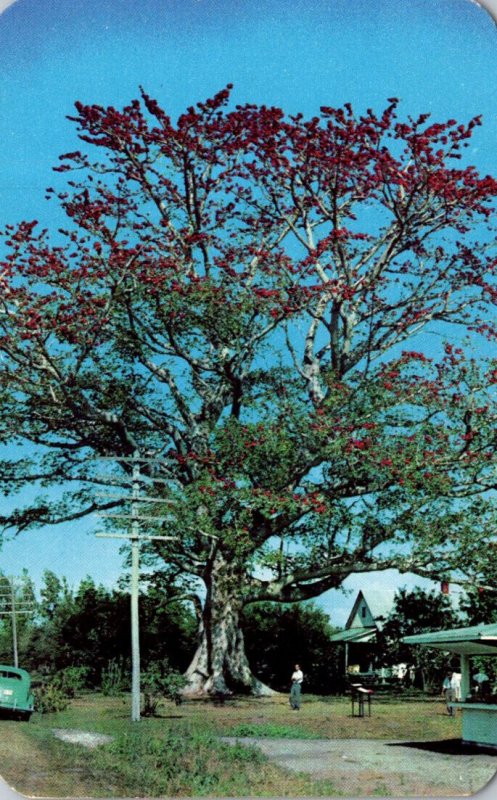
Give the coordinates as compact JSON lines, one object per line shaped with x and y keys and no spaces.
{"x":477,"y":640}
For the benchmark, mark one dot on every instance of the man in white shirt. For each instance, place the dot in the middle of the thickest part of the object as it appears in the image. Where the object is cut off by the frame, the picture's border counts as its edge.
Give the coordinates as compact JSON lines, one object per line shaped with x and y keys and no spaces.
{"x":296,"y":689}
{"x":455,"y":685}
{"x":448,"y":693}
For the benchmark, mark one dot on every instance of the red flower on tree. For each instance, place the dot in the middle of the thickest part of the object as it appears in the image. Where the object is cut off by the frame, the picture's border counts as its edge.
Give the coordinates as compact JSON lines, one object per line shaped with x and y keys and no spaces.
{"x":220,"y":299}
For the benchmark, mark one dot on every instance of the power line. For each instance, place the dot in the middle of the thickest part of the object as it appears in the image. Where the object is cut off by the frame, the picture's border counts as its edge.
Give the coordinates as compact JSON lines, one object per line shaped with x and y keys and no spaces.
{"x":135,"y":537}
{"x":17,"y":608}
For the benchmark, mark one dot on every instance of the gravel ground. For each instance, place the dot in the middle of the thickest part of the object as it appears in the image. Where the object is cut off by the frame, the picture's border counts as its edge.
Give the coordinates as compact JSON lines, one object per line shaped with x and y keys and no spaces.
{"x":84,"y":738}
{"x":361,"y":767}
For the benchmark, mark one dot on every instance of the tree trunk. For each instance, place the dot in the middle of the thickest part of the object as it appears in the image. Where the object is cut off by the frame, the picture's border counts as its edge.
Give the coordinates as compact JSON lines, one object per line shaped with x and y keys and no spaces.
{"x":220,"y":666}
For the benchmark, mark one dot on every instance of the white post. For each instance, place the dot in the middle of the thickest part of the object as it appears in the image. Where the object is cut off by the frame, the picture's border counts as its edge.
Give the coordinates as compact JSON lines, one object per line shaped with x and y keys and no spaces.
{"x":134,"y":538}
{"x":135,"y":622}
{"x":465,"y":677}
{"x":14,"y":621}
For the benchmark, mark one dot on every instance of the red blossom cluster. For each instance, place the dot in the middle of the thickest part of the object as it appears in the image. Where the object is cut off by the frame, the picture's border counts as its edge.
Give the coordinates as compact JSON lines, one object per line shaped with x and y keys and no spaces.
{"x":225,"y":184}
{"x":179,"y":240}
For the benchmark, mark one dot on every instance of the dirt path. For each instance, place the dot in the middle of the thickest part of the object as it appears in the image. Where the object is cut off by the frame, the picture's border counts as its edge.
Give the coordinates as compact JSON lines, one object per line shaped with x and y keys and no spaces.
{"x":18,"y":750}
{"x":364,"y":767}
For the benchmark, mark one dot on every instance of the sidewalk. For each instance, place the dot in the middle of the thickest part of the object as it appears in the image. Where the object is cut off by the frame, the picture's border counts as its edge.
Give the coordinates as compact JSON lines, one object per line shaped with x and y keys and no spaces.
{"x":360,"y":767}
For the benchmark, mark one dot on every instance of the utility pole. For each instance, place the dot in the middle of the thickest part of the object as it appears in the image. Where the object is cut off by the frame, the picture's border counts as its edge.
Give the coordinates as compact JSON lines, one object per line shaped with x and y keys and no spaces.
{"x":8,"y":596}
{"x":135,"y":580}
{"x":135,"y":537}
{"x":14,"y":623}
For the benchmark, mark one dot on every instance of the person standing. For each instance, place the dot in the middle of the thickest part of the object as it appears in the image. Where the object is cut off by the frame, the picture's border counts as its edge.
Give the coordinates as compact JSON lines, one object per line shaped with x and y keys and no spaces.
{"x":296,"y":688}
{"x":481,"y":682}
{"x":455,"y":685}
{"x":447,"y":691}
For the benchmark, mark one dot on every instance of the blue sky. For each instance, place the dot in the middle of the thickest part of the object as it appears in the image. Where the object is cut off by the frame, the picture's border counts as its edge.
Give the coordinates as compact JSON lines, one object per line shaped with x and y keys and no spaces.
{"x":438,"y":56}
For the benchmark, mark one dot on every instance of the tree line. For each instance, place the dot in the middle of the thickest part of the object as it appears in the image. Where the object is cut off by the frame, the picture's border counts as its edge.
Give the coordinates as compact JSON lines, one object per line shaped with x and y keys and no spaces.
{"x":87,"y":629}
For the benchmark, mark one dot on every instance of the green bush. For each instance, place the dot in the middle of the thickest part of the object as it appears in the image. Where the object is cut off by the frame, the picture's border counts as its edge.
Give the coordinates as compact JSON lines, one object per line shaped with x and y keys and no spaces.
{"x":160,"y":681}
{"x":71,"y":680}
{"x":50,"y":698}
{"x":113,"y":680}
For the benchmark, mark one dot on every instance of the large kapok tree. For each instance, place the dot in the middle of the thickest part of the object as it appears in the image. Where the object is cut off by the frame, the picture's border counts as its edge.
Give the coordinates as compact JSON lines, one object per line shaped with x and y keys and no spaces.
{"x":273,"y":309}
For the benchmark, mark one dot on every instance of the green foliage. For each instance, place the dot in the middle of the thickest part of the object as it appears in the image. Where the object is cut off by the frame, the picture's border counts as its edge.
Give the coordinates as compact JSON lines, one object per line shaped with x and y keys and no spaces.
{"x":78,"y":633}
{"x":278,"y":636}
{"x":488,"y":665}
{"x":50,"y":698}
{"x":24,"y":601}
{"x":56,"y":596}
{"x":168,"y":625}
{"x":173,"y":683}
{"x":178,"y":762}
{"x":113,"y":680}
{"x":71,"y":680}
{"x":480,"y":605}
{"x":419,"y":611}
{"x":160,"y":681}
{"x":272,"y":730}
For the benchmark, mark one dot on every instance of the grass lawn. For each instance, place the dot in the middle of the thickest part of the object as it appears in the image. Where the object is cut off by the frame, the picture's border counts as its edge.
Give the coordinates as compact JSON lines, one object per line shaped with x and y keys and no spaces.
{"x":179,"y":753}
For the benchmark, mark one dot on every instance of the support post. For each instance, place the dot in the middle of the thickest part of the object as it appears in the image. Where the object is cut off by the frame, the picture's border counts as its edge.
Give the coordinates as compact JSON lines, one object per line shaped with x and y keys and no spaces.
{"x":14,"y":621}
{"x":135,"y":621}
{"x":134,"y":538}
{"x":465,"y":677}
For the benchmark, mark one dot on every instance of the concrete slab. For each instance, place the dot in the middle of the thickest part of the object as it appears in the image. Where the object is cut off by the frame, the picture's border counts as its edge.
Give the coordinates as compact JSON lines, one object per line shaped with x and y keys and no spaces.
{"x":365,"y":767}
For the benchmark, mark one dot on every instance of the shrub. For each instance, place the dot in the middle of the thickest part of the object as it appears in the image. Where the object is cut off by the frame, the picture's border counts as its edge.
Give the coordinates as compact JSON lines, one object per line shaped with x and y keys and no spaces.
{"x":50,"y":698}
{"x":113,"y":680}
{"x":160,"y":681}
{"x":71,"y":680}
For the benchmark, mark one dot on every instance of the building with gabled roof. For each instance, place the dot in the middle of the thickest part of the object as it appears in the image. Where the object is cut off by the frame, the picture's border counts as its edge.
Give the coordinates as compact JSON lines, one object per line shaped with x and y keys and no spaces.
{"x":365,"y":621}
{"x":370,"y":609}
{"x":360,"y":637}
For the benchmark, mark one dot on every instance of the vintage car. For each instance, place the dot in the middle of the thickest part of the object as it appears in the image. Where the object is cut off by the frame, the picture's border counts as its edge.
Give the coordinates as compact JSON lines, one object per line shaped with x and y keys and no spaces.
{"x":15,"y":692}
